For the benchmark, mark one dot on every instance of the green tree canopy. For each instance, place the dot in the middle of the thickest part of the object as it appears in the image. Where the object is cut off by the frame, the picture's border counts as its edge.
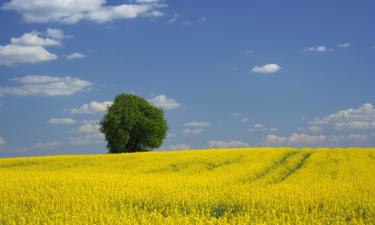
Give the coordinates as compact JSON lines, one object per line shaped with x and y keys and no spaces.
{"x":133,"y":124}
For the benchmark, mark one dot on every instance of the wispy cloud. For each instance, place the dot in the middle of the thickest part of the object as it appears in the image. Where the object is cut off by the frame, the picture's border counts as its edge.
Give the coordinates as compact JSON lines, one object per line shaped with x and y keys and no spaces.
{"x":199,"y":124}
{"x":344,"y":45}
{"x":74,"y":11}
{"x":318,"y":49}
{"x":2,"y":141}
{"x":61,"y":121}
{"x":227,"y":144}
{"x":173,"y":19}
{"x":179,"y":147}
{"x":46,"y":85}
{"x":300,"y":139}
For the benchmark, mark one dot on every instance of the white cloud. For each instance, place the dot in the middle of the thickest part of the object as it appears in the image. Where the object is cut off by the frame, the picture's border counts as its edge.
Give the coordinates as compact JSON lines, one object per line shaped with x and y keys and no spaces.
{"x":249,"y":51}
{"x":295,"y":139}
{"x":316,"y":140}
{"x":76,"y":55}
{"x":45,"y":145}
{"x":30,"y":47}
{"x":179,"y":147}
{"x":195,"y":127}
{"x":306,"y":139}
{"x":61,"y":121}
{"x":197,"y":124}
{"x":344,"y":45}
{"x":92,"y":134}
{"x":236,"y":114}
{"x":258,"y":125}
{"x":56,"y":34}
{"x":267,"y":68}
{"x":315,"y":128}
{"x":46,"y":85}
{"x":227,"y":144}
{"x":320,"y":48}
{"x":2,"y":141}
{"x":274,"y":139}
{"x":33,"y":39}
{"x":202,"y":20}
{"x":349,"y":138}
{"x":164,"y":102}
{"x":96,"y":138}
{"x":87,"y":128}
{"x":173,"y":18}
{"x":192,"y":131}
{"x":92,"y":107}
{"x":245,"y":120}
{"x":361,"y":118}
{"x":14,"y":54}
{"x":73,"y":11}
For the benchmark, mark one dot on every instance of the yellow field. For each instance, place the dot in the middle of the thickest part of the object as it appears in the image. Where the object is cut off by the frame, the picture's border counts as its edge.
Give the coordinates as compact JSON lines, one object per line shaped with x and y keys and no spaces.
{"x":228,"y":186}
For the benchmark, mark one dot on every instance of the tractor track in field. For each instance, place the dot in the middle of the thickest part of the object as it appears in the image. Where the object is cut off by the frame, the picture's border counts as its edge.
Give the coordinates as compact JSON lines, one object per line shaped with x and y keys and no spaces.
{"x":270,"y":168}
{"x":294,"y":169}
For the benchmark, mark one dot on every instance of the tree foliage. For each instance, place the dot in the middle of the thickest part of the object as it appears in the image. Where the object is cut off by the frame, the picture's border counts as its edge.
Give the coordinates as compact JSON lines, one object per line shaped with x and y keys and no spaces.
{"x":133,"y":124}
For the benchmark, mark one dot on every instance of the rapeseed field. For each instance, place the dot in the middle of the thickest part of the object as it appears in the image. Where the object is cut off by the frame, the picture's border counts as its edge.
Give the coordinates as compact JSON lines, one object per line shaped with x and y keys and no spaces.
{"x":221,"y":186}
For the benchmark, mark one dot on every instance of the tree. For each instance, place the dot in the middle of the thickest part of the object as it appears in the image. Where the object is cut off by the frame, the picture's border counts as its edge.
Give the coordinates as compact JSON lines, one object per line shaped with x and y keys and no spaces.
{"x":133,"y":124}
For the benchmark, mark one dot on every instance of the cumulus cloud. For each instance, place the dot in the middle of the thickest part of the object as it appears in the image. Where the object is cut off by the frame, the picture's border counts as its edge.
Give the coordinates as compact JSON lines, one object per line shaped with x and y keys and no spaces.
{"x":87,"y":128}
{"x":179,"y":147}
{"x":30,"y":47}
{"x":61,"y":121}
{"x":318,"y":49}
{"x":344,"y":45}
{"x":46,"y":85}
{"x":2,"y":141}
{"x":56,"y":34}
{"x":14,"y":54}
{"x":33,"y":39}
{"x":227,"y":144}
{"x":361,"y":118}
{"x":164,"y":102}
{"x":92,"y":107}
{"x":74,"y":11}
{"x":91,"y":134}
{"x":75,"y":55}
{"x":267,"y":68}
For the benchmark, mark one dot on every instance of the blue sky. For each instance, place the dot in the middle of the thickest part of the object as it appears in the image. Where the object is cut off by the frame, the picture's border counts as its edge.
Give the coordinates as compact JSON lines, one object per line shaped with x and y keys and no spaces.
{"x":228,"y":74}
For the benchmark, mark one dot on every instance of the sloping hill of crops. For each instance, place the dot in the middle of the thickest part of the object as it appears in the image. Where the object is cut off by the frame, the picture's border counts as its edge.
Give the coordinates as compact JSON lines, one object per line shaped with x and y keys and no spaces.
{"x":227,"y":186}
